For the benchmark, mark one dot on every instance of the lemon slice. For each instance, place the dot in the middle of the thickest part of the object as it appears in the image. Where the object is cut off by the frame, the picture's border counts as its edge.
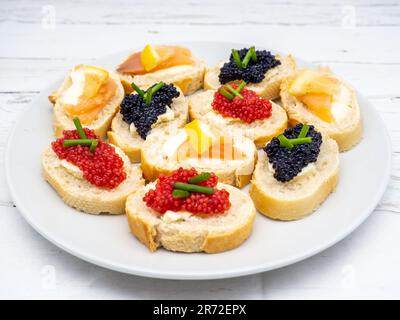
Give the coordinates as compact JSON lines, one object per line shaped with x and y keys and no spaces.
{"x":199,"y":136}
{"x":94,"y":79}
{"x":150,"y":57}
{"x":309,"y":81}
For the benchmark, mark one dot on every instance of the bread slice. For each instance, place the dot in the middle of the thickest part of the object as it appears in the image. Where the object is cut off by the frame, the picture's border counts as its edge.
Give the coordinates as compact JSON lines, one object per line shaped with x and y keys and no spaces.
{"x":186,"y":232}
{"x":100,"y":125}
{"x":189,"y":78}
{"x":125,"y":136}
{"x":269,"y":87}
{"x":300,"y":196}
{"x":259,"y":131}
{"x":84,"y":196}
{"x":346,"y":132}
{"x":234,"y":172}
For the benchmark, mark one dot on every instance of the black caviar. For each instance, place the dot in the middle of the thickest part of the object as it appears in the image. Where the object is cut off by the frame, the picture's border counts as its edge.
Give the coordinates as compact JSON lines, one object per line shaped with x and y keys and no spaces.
{"x":288,"y":163}
{"x":255,"y":71}
{"x":135,"y":110}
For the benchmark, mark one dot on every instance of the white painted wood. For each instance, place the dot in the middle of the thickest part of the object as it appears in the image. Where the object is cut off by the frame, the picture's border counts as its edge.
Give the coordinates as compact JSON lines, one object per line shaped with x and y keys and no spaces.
{"x":358,"y":40}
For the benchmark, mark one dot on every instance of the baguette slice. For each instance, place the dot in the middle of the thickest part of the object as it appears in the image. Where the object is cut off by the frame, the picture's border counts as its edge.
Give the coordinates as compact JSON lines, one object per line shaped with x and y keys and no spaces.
{"x":126,"y":138}
{"x":269,"y":87}
{"x":84,"y":196}
{"x":187,"y":232}
{"x":259,"y":131}
{"x":234,"y":172}
{"x":100,"y":125}
{"x":346,"y":132}
{"x":188,"y":78}
{"x":300,"y":196}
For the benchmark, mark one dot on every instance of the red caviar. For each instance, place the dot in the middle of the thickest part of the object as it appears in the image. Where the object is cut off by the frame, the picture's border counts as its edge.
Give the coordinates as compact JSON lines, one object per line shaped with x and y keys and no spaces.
{"x":104,"y":167}
{"x":248,"y":109}
{"x":160,"y":199}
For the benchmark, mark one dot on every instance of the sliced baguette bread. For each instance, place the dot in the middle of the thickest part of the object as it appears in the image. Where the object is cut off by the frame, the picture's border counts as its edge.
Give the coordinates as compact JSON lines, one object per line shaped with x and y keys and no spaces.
{"x":346,"y":131}
{"x":300,"y":196}
{"x":78,"y":193}
{"x":124,"y":135}
{"x":189,"y":78}
{"x":259,"y":131}
{"x":100,"y":125}
{"x":269,"y":87}
{"x":235,"y":172}
{"x":186,"y":232}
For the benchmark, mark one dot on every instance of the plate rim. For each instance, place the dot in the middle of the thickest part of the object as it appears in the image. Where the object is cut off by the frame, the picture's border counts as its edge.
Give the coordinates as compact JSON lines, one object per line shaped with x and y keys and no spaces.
{"x":47,"y":234}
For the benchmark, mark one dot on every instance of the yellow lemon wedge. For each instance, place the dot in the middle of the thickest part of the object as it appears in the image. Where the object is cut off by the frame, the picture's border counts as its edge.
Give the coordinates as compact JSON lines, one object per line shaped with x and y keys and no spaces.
{"x":310,"y":81}
{"x":319,"y":104}
{"x":94,"y":78}
{"x":200,"y":137}
{"x":150,"y":57}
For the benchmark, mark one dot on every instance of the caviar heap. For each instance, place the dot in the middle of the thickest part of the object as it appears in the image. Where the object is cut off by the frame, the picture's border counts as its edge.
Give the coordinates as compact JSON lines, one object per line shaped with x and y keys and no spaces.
{"x":161,"y":199}
{"x":135,"y":110}
{"x":248,"y":109}
{"x":104,"y":168}
{"x":254,"y":72}
{"x":289,"y":163}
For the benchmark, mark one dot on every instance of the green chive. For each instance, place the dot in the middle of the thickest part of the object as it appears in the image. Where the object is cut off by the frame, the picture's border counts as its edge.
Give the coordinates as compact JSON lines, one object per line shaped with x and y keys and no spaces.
{"x":234,"y":91}
{"x":137,"y":89}
{"x":304,"y":131}
{"x":93,"y":145}
{"x":226,"y":94}
{"x":79,"y":128}
{"x":76,"y":142}
{"x":193,"y":188}
{"x":200,"y":178}
{"x":247,"y":58}
{"x":148,"y":96}
{"x":180,"y":194}
{"x":236,"y":57}
{"x":253,"y":54}
{"x":151,"y":91}
{"x":240,"y":88}
{"x":285,"y":142}
{"x":300,"y":140}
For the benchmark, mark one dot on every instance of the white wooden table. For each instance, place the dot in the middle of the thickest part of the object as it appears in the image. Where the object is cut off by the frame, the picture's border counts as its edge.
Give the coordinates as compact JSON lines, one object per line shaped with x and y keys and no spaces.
{"x":358,"y":39}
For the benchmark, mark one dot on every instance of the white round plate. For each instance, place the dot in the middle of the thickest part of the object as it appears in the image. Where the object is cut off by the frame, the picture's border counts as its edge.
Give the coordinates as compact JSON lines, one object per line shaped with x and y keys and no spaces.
{"x":106,"y":241}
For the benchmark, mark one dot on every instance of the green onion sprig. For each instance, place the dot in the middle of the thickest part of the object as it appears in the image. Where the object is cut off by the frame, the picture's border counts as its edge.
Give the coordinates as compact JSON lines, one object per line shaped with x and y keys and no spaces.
{"x":78,"y":142}
{"x":138,"y":90}
{"x":180,"y":194}
{"x":236,"y":57}
{"x":193,"y":188}
{"x":79,"y":128}
{"x":250,"y":55}
{"x":200,"y":178}
{"x":147,"y":95}
{"x":230,"y":93}
{"x":301,"y":139}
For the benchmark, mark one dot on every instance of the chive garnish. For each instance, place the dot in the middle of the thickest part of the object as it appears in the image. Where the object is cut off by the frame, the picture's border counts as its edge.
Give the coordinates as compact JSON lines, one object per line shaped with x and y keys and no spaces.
{"x":193,"y":188}
{"x":180,"y":194}
{"x":304,"y":131}
{"x":285,"y":142}
{"x":200,"y":178}
{"x":226,"y":94}
{"x":76,"y":142}
{"x":236,"y":57}
{"x":236,"y":93}
{"x":300,"y":140}
{"x":151,"y":91}
{"x":93,"y":145}
{"x":79,"y":128}
{"x":137,"y":89}
{"x":253,"y":54}
{"x":241,"y":86}
{"x":247,"y":57}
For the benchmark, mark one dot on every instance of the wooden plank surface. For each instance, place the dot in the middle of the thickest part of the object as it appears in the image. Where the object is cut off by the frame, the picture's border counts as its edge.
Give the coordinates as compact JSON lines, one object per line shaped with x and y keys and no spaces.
{"x":358,"y":40}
